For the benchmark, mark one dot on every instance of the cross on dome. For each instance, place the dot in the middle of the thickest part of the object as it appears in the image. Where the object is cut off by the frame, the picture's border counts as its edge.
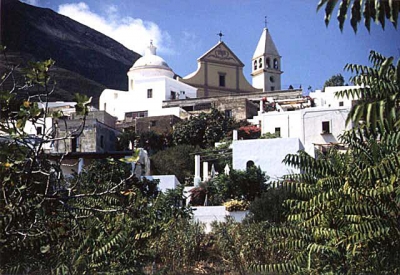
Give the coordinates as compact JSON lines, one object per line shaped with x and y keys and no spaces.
{"x":151,"y":49}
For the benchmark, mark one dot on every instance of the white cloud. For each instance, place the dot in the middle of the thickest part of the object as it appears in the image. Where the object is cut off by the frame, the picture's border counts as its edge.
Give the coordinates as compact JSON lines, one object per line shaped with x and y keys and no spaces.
{"x":190,"y":40}
{"x":133,"y":33}
{"x":31,"y":2}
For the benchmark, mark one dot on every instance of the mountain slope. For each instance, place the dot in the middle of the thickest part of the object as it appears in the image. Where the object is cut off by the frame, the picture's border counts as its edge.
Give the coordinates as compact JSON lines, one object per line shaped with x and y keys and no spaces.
{"x":86,"y":60}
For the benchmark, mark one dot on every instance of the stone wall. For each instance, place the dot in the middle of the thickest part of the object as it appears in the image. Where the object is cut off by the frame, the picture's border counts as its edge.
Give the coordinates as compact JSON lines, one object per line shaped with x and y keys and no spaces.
{"x":157,"y":124}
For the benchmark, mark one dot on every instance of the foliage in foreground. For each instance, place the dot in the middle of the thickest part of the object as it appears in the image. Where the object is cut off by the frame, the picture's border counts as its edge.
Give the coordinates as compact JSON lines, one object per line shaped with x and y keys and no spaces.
{"x":372,"y":10}
{"x":346,"y":207}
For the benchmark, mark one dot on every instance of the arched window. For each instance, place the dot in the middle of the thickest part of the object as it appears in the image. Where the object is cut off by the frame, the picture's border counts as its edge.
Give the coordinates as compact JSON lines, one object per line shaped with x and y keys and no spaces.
{"x":250,"y":164}
{"x":275,"y":63}
{"x":268,"y":63}
{"x":260,"y":61}
{"x":255,"y":65}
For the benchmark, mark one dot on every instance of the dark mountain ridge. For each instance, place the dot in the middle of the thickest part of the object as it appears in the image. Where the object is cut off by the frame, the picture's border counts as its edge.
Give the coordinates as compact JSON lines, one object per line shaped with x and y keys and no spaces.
{"x":87,"y":61}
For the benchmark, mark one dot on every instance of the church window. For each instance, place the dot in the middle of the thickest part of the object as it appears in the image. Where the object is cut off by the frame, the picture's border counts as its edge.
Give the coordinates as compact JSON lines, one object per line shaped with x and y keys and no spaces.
{"x":260,"y":63}
{"x":255,"y":64}
{"x":272,"y":88}
{"x":268,"y":63}
{"x":221,"y":79}
{"x":276,"y":63}
{"x":272,"y":79}
{"x":149,"y":93}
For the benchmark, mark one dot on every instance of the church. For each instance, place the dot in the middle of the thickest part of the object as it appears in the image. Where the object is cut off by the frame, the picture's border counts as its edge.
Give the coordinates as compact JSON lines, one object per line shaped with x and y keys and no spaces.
{"x":155,"y":90}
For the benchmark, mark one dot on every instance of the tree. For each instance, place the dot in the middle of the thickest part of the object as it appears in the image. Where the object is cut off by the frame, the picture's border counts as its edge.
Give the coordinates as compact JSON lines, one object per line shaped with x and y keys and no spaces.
{"x":378,"y":11}
{"x":100,"y":220}
{"x":335,"y":80}
{"x":243,"y":185}
{"x":378,"y":91}
{"x":203,"y":130}
{"x":344,"y":216}
{"x":177,"y":160}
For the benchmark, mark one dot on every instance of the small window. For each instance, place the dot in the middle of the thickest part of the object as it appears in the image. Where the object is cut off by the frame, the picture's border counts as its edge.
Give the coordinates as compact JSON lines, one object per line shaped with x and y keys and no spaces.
{"x":131,"y":84}
{"x":115,"y":95}
{"x":39,"y":130}
{"x":272,"y":88}
{"x":275,"y":63}
{"x":268,"y":63}
{"x":228,"y":113}
{"x":153,"y":123}
{"x":74,"y":144}
{"x":255,"y":64}
{"x":326,"y":127}
{"x":278,"y":131}
{"x":222,"y":80}
{"x":260,"y":61}
{"x":149,"y":93}
{"x":173,"y":95}
{"x":105,"y":107}
{"x":341,"y":104}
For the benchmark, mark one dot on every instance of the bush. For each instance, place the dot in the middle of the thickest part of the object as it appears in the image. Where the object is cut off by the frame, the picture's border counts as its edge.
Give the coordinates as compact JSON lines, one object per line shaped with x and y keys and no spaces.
{"x":241,"y":185}
{"x":249,"y":132}
{"x":269,"y":206}
{"x":177,"y":160}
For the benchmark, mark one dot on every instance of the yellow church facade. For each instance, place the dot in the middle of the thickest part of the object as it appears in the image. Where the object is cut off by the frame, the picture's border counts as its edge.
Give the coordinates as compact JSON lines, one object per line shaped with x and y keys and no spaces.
{"x":219,"y":73}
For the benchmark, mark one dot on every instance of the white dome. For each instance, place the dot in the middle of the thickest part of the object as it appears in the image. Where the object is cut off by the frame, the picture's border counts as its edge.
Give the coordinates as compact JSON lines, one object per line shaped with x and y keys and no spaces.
{"x":151,"y":61}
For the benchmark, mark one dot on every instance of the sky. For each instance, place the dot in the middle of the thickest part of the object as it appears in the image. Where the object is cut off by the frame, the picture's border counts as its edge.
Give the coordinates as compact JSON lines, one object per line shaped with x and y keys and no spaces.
{"x":184,"y":30}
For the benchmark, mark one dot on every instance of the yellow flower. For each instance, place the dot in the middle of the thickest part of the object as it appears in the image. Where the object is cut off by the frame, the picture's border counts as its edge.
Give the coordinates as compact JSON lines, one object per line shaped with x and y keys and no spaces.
{"x":26,"y":104}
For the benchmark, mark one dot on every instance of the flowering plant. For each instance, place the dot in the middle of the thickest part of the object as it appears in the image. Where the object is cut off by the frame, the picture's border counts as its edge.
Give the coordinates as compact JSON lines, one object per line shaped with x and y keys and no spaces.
{"x":236,"y":205}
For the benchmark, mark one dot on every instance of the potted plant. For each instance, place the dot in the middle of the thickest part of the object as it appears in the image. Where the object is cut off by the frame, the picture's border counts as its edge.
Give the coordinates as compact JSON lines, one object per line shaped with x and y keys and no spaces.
{"x":237,"y":209}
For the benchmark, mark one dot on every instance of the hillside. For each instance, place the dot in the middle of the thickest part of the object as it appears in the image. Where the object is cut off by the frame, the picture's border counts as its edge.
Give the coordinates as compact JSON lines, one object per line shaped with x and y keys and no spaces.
{"x":86,"y":60}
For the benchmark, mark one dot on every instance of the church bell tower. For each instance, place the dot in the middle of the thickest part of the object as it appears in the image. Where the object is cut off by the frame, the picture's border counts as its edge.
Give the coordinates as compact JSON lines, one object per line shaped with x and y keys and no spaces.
{"x":266,"y":64}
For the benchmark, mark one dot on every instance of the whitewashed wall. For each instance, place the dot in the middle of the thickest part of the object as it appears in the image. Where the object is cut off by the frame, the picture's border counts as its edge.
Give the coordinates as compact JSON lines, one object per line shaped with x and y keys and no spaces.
{"x":327,"y":98}
{"x":120,"y":102}
{"x":266,"y":153}
{"x":166,"y":181}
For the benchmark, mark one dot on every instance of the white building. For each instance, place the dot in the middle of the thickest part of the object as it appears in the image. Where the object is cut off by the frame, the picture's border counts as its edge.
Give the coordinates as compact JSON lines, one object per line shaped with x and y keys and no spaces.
{"x":150,"y":83}
{"x":265,"y":153}
{"x":327,"y":98}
